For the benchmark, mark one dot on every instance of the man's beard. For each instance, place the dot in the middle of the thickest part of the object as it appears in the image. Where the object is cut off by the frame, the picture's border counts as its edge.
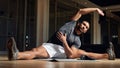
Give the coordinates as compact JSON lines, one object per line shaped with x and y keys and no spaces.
{"x":78,"y":32}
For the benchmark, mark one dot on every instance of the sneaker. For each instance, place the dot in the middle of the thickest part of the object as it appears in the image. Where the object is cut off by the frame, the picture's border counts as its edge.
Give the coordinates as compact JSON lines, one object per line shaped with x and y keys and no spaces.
{"x":12,"y":49}
{"x":111,"y":53}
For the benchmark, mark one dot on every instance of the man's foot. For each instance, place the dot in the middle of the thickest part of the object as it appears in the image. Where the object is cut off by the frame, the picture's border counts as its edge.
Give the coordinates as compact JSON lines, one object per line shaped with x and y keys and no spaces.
{"x":12,"y":49}
{"x":111,"y":53}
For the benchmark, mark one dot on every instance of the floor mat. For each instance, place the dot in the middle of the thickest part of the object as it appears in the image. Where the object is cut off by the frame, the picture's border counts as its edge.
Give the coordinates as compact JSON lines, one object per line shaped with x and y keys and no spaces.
{"x":66,"y":60}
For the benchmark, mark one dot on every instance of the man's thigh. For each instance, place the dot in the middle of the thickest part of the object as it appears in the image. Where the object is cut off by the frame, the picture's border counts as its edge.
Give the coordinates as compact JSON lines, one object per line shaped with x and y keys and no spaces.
{"x":41,"y":52}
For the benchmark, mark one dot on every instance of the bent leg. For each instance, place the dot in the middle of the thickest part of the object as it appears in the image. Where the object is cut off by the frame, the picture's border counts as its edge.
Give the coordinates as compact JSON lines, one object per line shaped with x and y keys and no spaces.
{"x":38,"y":52}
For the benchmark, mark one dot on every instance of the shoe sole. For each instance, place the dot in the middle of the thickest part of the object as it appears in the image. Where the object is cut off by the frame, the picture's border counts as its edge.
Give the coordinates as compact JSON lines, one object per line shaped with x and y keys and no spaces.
{"x":111,"y":52}
{"x":9,"y":47}
{"x":112,"y":57}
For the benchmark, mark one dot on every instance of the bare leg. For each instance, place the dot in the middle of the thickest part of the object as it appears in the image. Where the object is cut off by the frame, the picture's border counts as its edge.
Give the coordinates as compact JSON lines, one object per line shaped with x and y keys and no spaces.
{"x":93,"y":55}
{"x":39,"y":52}
{"x":97,"y":55}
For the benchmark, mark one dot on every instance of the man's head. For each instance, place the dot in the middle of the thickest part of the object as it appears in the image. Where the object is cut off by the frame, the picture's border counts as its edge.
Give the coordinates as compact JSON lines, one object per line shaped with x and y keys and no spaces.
{"x":82,"y":27}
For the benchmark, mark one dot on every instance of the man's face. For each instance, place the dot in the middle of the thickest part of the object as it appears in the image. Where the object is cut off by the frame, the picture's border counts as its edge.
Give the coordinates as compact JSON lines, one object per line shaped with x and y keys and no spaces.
{"x":82,"y":27}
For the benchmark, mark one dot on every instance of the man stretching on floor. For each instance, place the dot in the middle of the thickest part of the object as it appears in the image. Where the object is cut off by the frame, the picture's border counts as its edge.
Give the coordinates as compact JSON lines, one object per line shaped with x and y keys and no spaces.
{"x":65,"y":43}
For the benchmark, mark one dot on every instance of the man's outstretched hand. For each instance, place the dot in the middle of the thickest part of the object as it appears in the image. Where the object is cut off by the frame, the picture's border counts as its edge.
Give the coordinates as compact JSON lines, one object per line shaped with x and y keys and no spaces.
{"x":100,"y":12}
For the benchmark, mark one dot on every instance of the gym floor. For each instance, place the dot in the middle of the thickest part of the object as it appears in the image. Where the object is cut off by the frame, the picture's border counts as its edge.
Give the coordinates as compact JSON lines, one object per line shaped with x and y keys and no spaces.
{"x":38,"y":63}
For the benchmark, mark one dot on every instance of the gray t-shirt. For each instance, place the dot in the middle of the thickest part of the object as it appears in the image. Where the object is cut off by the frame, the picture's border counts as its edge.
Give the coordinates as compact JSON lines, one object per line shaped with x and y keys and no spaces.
{"x":68,"y":29}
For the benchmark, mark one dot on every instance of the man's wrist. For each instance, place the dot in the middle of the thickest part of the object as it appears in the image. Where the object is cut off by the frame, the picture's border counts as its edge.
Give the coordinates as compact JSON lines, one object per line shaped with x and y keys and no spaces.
{"x":64,"y":43}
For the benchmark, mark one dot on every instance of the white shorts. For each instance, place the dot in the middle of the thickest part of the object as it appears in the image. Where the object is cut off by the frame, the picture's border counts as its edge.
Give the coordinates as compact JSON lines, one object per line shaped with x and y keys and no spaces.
{"x":54,"y":51}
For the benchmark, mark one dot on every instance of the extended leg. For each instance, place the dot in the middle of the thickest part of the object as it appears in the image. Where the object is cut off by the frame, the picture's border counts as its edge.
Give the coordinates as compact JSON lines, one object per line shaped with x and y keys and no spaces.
{"x":13,"y":52}
{"x":97,"y":55}
{"x":93,"y":55}
{"x":39,"y":52}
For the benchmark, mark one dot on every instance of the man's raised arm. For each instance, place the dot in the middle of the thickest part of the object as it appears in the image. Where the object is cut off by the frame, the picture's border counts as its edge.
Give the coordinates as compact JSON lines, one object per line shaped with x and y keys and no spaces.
{"x":84,"y":11}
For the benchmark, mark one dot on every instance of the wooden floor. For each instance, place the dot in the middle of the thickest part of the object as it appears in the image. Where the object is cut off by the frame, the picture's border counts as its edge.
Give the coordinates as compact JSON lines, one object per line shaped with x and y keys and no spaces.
{"x":4,"y":63}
